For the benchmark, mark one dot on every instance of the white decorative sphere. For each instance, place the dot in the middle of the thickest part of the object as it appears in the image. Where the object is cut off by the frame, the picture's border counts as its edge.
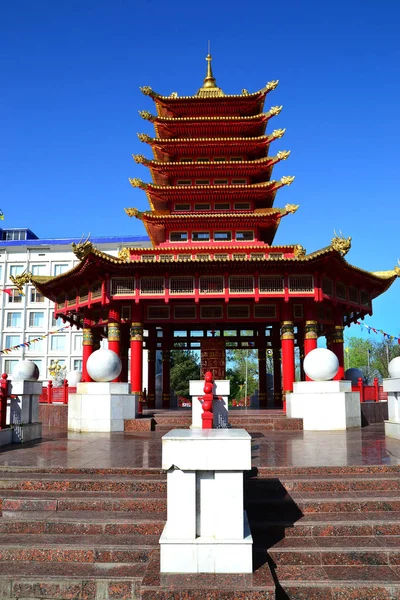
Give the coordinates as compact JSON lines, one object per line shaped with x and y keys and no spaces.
{"x":394,"y":367}
{"x":321,"y":364}
{"x":73,"y":377}
{"x":104,"y":365}
{"x":353,"y":375}
{"x":25,"y":370}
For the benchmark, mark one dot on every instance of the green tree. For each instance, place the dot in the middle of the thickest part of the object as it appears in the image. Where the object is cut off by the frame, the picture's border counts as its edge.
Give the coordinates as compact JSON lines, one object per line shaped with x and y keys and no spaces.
{"x":185,"y":365}
{"x":370,"y":356}
{"x":238,"y":359}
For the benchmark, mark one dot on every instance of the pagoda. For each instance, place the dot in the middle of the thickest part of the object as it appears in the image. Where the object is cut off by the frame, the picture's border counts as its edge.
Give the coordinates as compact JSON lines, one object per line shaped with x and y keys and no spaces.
{"x":212,"y":270}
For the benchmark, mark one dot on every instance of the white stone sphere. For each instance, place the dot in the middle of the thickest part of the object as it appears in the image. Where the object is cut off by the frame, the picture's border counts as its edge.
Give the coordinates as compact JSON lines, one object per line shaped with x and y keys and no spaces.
{"x":321,"y":364}
{"x":104,"y":365}
{"x":73,"y":377}
{"x":353,"y":375}
{"x":25,"y":370}
{"x":394,"y":367}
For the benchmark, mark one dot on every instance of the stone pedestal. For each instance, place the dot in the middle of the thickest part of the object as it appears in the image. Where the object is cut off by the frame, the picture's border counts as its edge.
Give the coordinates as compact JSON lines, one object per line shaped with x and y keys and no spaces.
{"x":23,"y":412}
{"x":101,"y":406}
{"x":392,"y":425}
{"x":207,"y":529}
{"x":324,"y":405}
{"x":220,"y":403}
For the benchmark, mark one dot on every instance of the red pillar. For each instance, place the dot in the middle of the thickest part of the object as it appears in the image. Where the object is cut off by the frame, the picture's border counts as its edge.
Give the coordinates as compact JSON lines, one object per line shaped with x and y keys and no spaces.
{"x":262,"y":378}
{"x":87,"y":349}
{"x":136,"y":343}
{"x":114,"y":334}
{"x":288,"y":367}
{"x":310,"y":337}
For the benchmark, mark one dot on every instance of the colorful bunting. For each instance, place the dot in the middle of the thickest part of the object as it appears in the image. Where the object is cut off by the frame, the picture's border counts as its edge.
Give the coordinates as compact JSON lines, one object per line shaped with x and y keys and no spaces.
{"x":38,"y":339}
{"x":1,"y":215}
{"x":385,"y":335}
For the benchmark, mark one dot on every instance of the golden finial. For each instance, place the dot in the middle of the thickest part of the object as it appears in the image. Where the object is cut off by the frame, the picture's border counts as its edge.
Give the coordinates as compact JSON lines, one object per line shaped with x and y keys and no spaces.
{"x":143,"y":137}
{"x":275,"y":110}
{"x":136,"y":182}
{"x":138,"y":158}
{"x":283,"y":154}
{"x":133,"y":212}
{"x":145,"y":114}
{"x":146,"y":90}
{"x":271,"y":85}
{"x":210,"y":87}
{"x":291,"y":208}
{"x":287,"y":179}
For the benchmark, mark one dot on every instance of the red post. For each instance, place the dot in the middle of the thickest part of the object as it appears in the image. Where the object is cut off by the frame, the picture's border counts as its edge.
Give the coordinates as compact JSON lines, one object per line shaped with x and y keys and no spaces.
{"x":288,"y":368}
{"x":207,"y":401}
{"x":50,"y":392}
{"x":310,"y":335}
{"x":136,"y":341}
{"x":87,"y":349}
{"x":376,"y":389}
{"x":65,"y":395}
{"x":3,"y":400}
{"x":114,"y":334}
{"x":361,"y":389}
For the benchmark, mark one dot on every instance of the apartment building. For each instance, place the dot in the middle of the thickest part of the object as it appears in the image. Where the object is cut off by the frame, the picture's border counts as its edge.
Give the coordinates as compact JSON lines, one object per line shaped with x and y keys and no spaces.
{"x":26,"y":318}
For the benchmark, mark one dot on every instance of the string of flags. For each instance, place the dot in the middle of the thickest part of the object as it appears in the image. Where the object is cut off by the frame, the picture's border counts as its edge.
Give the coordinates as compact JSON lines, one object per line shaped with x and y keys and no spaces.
{"x":387,"y":336}
{"x":1,"y":215}
{"x":38,"y":339}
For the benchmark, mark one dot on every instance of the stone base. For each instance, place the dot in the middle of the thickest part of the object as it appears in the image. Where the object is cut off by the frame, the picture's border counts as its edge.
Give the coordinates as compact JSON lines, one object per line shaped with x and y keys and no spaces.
{"x":101,"y":407}
{"x":206,"y":554}
{"x":26,"y":432}
{"x":392,"y":429}
{"x":5,"y":436}
{"x":324,"y":405}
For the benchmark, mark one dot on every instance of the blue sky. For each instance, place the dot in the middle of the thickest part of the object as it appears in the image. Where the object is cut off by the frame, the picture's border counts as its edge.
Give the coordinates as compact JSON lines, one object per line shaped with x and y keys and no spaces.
{"x":70,"y":73}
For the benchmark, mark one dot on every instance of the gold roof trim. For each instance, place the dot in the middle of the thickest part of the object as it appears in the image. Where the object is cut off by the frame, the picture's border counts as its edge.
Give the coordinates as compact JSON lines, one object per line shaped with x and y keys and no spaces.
{"x":395,"y":272}
{"x":277,"y":133}
{"x":209,"y":88}
{"x":140,"y":159}
{"x":166,"y":249}
{"x":271,"y":85}
{"x":133,"y":212}
{"x":285,"y":180}
{"x":274,"y":110}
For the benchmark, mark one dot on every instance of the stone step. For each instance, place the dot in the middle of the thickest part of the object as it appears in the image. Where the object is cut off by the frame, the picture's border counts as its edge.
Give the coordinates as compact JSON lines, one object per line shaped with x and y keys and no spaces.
{"x":82,"y":483}
{"x":320,"y":483}
{"x":83,"y":523}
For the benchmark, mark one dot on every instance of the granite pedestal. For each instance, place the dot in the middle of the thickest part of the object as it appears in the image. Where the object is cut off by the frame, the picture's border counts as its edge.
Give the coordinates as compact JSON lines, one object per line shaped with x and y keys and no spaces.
{"x":207,"y":530}
{"x":392,"y":425}
{"x":324,"y":405}
{"x":221,"y":393}
{"x":101,"y":406}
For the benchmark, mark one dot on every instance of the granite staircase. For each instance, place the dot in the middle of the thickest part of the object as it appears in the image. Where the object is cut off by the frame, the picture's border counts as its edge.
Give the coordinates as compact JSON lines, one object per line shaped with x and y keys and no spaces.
{"x":319,"y":533}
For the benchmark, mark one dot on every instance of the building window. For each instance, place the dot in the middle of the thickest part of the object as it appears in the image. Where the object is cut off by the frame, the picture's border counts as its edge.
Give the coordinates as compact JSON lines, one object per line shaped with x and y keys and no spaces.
{"x":77,"y":343}
{"x":201,"y":236}
{"x":9,"y":366}
{"x":244,"y":236}
{"x":202,"y":206}
{"x":236,"y":158}
{"x":38,"y":269}
{"x":36,"y":296}
{"x":221,"y":206}
{"x":58,"y":343}
{"x":242,"y":206}
{"x":12,"y":340}
{"x":14,"y":319}
{"x":239,"y":181}
{"x":16,"y":270}
{"x":56,"y":322}
{"x":37,"y":346}
{"x":77,"y":364}
{"x":203,"y":160}
{"x":186,"y":160}
{"x":178,"y":236}
{"x":184,"y":182}
{"x":14,"y":296}
{"x":219,"y":159}
{"x":1,"y":272}
{"x":36,"y":319}
{"x":202,"y":182}
{"x":222,"y":236}
{"x":16,"y":234}
{"x":182,"y":207}
{"x":60,"y":268}
{"x":220,"y":182}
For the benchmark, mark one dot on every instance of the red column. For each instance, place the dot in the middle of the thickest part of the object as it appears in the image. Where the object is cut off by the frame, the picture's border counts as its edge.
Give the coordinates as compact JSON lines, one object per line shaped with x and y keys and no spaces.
{"x":288,"y":368}
{"x":310,"y":338}
{"x":262,"y":378}
{"x":114,"y":334}
{"x":136,"y":343}
{"x":336,"y":344}
{"x":87,"y":349}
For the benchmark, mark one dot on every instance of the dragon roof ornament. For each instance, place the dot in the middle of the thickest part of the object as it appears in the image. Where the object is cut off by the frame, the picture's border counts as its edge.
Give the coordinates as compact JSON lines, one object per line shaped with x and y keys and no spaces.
{"x":291,"y":208}
{"x":340,"y":243}
{"x":124,"y":254}
{"x":139,"y":158}
{"x":82,"y":249}
{"x":278,"y":133}
{"x":287,"y":179}
{"x":283,"y":154}
{"x":133,"y":212}
{"x":299,"y":251}
{"x":143,"y":137}
{"x":145,"y":114}
{"x":20,"y":280}
{"x":275,"y":110}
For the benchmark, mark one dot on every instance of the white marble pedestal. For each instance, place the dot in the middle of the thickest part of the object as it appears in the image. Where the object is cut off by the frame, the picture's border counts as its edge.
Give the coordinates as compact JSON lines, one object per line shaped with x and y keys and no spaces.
{"x":324,"y":405}
{"x":392,"y":425}
{"x":207,"y":529}
{"x":23,"y":410}
{"x":220,"y":404}
{"x":101,"y":406}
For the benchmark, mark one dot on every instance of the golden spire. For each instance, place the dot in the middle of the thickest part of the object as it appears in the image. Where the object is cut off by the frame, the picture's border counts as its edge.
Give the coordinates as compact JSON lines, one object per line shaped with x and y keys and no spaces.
{"x":210,"y":87}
